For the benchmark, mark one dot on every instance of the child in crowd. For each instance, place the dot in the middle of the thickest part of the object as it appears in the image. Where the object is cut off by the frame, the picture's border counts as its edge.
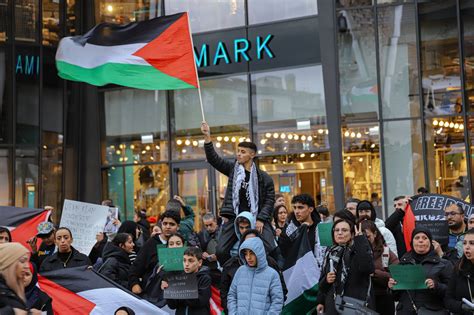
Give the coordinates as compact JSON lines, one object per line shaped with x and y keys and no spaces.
{"x":256,"y":288}
{"x":192,"y":262}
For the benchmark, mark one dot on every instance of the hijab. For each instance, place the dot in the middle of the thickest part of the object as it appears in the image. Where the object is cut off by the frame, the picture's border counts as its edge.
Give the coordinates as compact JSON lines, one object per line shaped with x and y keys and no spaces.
{"x":420,"y":257}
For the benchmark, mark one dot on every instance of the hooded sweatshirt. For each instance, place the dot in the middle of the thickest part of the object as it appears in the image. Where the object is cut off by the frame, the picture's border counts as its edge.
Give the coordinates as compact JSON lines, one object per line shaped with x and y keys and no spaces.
{"x":235,"y":249}
{"x":255,"y":290}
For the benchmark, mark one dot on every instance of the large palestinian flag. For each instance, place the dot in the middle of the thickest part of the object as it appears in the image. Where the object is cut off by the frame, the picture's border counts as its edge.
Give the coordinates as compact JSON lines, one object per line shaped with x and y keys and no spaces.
{"x":22,"y":222}
{"x":156,"y":54}
{"x":301,"y":276}
{"x":82,"y":291}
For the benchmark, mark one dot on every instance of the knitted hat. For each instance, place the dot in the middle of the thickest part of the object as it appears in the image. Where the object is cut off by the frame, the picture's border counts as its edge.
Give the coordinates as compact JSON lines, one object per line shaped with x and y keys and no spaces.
{"x":10,"y":253}
{"x":419,"y":230}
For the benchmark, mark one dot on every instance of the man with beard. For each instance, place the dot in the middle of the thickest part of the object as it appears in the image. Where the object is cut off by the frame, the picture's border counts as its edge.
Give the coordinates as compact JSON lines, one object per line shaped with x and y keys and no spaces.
{"x":457,"y":228}
{"x":249,"y":189}
{"x":208,"y":241}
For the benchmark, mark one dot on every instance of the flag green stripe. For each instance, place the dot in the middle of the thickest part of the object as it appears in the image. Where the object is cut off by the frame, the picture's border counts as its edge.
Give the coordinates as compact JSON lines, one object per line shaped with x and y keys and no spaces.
{"x":302,"y":304}
{"x":131,"y":75}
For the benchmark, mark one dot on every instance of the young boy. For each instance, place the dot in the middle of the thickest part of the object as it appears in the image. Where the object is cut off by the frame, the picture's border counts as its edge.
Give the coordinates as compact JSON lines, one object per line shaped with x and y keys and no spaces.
{"x":256,"y":288}
{"x":192,"y":261}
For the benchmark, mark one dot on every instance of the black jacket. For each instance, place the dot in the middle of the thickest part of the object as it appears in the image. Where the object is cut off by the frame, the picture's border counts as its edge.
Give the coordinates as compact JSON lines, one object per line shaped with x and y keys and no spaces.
{"x":199,"y":306}
{"x":286,"y":242}
{"x":44,"y":252}
{"x":54,"y":262}
{"x":394,"y":224}
{"x":266,"y":188}
{"x":44,"y":303}
{"x":435,"y":268}
{"x":145,"y":262}
{"x":98,"y":250}
{"x":361,"y":265}
{"x":9,"y":300}
{"x":116,"y":264}
{"x":458,"y":287}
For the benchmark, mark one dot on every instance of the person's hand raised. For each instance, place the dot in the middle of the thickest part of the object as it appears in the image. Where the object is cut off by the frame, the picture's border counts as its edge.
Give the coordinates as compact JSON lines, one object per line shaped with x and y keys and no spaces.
{"x":206,"y":131}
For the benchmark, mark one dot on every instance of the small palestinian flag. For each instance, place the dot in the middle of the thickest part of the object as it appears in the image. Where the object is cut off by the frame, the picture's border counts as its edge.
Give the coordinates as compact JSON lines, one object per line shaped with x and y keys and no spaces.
{"x":156,"y":54}
{"x":82,"y":291}
{"x":301,"y":275}
{"x":22,"y":222}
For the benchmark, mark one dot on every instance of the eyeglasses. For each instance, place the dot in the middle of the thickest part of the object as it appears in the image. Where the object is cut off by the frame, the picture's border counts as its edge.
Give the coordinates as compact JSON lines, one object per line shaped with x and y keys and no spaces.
{"x":451,"y":214}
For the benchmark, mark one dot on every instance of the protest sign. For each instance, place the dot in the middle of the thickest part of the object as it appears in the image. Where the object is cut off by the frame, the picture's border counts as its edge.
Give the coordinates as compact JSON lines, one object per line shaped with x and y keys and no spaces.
{"x":84,"y":220}
{"x":181,"y":286}
{"x":408,"y":277}
{"x":171,"y":258}
{"x":112,"y":216}
{"x":439,"y":230}
{"x":324,"y":234}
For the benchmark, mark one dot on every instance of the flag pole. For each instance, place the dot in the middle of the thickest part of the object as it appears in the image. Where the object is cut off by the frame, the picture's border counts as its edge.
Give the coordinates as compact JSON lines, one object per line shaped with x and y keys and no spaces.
{"x":195,"y":69}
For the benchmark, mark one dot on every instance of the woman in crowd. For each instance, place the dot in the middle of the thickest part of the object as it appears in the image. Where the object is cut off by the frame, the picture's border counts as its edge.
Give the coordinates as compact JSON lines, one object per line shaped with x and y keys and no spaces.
{"x":66,"y":256}
{"x":14,"y":263}
{"x":461,"y":284}
{"x":35,"y":298}
{"x":347,"y":268}
{"x":131,"y":228}
{"x":383,"y":257}
{"x":5,"y":235}
{"x":280,"y":216}
{"x":437,"y":270}
{"x":116,"y":259}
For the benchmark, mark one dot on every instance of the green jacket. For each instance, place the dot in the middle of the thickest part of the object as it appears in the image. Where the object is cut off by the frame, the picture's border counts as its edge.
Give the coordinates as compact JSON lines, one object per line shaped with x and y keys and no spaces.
{"x":186,"y":226}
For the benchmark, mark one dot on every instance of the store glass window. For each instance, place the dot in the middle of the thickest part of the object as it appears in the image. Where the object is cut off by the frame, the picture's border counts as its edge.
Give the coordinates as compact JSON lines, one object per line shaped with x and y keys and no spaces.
{"x":52,"y":169}
{"x":26,"y":20}
{"x":124,"y":12}
{"x":6,"y":175}
{"x":51,"y":31}
{"x":398,"y":61}
{"x":379,"y":2}
{"x":226,"y":109}
{"x":446,"y":156}
{"x":5,"y":94}
{"x":207,"y":15}
{"x":301,"y":173}
{"x":290,"y":111}
{"x":72,"y":20}
{"x":113,"y":188}
{"x":467,"y":16}
{"x":353,"y":3}
{"x":26,"y":178}
{"x":261,"y":11}
{"x":3,"y":20}
{"x":361,"y":153}
{"x":440,"y":66}
{"x":403,"y":158}
{"x":357,"y":64}
{"x":27,"y":71}
{"x":135,"y":126}
{"x":193,"y":187}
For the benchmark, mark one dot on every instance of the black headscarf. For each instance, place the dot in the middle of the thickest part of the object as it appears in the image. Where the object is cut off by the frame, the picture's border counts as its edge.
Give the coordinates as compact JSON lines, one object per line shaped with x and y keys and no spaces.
{"x":32,"y":292}
{"x":420,"y":257}
{"x":129,"y":227}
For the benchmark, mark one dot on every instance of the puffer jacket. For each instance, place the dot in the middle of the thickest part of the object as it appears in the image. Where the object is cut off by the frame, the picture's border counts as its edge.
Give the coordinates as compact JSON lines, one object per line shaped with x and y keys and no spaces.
{"x":266,"y":188}
{"x":247,"y":215}
{"x":435,"y":268}
{"x":387,"y":236}
{"x":116,"y":264}
{"x":255,"y":290}
{"x":9,"y":300}
{"x":458,"y":287}
{"x":53,"y":262}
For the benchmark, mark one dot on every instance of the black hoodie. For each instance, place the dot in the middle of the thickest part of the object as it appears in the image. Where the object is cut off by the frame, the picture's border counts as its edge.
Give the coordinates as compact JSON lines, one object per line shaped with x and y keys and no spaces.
{"x":116,"y":264}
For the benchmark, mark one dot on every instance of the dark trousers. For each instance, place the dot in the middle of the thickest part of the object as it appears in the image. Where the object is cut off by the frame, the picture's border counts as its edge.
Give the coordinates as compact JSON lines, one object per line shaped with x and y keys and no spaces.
{"x":384,"y":304}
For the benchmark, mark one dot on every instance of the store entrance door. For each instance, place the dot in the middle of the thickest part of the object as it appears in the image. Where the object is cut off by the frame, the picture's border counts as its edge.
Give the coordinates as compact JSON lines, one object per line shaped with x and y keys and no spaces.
{"x":195,"y":182}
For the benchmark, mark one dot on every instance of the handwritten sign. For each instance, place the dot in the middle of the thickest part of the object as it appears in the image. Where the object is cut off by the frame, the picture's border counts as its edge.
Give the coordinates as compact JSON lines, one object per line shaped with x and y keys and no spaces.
{"x":408,"y":277}
{"x":112,"y":216}
{"x":84,"y":220}
{"x":181,"y":286}
{"x":171,"y":258}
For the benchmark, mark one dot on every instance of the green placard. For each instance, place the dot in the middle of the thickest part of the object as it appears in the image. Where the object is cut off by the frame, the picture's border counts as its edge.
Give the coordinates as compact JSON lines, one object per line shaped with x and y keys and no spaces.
{"x":324,"y":234}
{"x":408,"y":277}
{"x":171,"y":258}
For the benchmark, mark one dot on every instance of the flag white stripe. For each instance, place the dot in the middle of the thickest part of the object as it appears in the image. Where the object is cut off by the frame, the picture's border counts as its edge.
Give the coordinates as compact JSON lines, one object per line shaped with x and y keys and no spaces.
{"x":108,"y":300}
{"x":91,"y":56}
{"x":302,"y":276}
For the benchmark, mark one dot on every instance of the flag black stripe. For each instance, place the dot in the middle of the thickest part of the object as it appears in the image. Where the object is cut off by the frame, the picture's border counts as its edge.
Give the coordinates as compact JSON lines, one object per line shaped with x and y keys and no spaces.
{"x":13,"y":216}
{"x":78,"y":279}
{"x":108,"y":34}
{"x":300,"y":248}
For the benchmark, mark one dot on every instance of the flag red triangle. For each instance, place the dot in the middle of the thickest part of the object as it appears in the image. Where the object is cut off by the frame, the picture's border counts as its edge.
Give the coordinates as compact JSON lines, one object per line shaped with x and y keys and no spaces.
{"x":172,"y":52}
{"x":27,"y":230}
{"x":408,"y":226}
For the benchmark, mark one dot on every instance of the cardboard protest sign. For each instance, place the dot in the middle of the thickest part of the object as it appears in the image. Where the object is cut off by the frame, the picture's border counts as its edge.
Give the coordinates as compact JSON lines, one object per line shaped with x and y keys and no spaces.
{"x":408,"y":277}
{"x":324,"y":234}
{"x":112,"y":216}
{"x":181,"y":286}
{"x":171,"y":258}
{"x":84,"y":220}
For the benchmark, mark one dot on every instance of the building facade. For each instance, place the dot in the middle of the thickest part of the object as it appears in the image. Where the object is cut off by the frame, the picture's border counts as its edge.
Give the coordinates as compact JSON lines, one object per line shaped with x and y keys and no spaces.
{"x":347,"y":98}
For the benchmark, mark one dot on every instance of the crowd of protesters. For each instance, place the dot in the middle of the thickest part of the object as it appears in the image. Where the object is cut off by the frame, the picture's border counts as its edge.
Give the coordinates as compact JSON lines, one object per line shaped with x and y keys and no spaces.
{"x":243,"y":251}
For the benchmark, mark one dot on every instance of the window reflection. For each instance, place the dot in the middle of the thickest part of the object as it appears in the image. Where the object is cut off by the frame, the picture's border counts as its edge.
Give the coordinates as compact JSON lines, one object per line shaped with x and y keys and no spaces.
{"x":26,"y":178}
{"x":225,"y":102}
{"x":362,"y":175}
{"x":301,"y":173}
{"x":440,"y":58}
{"x":290,"y":110}
{"x":353,"y":3}
{"x":135,"y":126}
{"x":357,"y":64}
{"x":5,"y":94}
{"x":446,"y":156}
{"x":6,"y":175}
{"x":72,"y":22}
{"x":124,"y":12}
{"x":3,"y":20}
{"x":26,"y":17}
{"x":261,"y":11}
{"x":224,"y":13}
{"x":467,"y":16}
{"x":52,"y":169}
{"x":51,"y":30}
{"x":114,"y":189}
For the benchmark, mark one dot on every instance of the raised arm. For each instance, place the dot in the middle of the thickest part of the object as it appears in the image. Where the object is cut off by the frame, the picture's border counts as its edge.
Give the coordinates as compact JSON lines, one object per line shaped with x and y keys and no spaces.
{"x":222,"y":165}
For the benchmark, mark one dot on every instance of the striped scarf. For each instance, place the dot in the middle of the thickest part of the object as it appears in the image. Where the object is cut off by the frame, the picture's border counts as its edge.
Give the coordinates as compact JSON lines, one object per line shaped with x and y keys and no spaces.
{"x":252,"y":191}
